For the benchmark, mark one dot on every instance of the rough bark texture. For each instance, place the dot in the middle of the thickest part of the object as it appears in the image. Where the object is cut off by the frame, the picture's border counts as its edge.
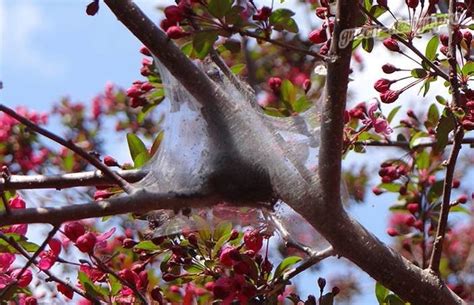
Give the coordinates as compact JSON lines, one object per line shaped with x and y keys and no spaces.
{"x":317,"y":199}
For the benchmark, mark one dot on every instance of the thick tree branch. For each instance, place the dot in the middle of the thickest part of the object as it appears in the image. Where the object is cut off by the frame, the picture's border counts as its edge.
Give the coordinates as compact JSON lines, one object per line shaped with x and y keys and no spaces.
{"x":140,"y":202}
{"x":68,"y":144}
{"x":346,"y":235}
{"x":91,"y":178}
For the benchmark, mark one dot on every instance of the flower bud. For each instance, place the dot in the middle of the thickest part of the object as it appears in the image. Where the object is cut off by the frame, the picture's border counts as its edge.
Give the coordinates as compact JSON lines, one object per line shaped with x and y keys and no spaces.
{"x":109,"y":161}
{"x":86,"y":242}
{"x":391,"y":44}
{"x":389,"y":68}
{"x":176,"y":32}
{"x":389,"y":96}
{"x":318,"y":36}
{"x":73,"y":230}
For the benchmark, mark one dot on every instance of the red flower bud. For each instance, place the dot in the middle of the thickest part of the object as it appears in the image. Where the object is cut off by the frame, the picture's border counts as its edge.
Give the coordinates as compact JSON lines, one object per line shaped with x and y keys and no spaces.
{"x":134,"y":91}
{"x":392,"y":232}
{"x":307,"y":85}
{"x":31,"y":301}
{"x":86,"y":242}
{"x":412,"y":3}
{"x":321,"y":12}
{"x":92,"y":8}
{"x":176,"y":32}
{"x":253,"y":240}
{"x":165,"y":24}
{"x":144,"y":50}
{"x":65,"y":290}
{"x":25,"y":278}
{"x":226,"y":256}
{"x":335,"y":290}
{"x":174,"y":13}
{"x":109,"y":161}
{"x":377,"y":191}
{"x":467,"y":36}
{"x":389,"y":96}
{"x":413,"y":207}
{"x":147,"y":87}
{"x":444,"y":39}
{"x":73,"y":230}
{"x":389,"y":68}
{"x":391,"y":44}
{"x":262,"y":14}
{"x":462,"y":199}
{"x":128,"y":243}
{"x":456,"y":183}
{"x":318,"y":36}
{"x":234,"y":234}
{"x":274,"y":83}
{"x":383,"y":85}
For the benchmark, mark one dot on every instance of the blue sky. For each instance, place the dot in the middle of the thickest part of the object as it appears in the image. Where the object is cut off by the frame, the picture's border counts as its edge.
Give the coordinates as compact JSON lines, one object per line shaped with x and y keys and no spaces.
{"x":51,"y":48}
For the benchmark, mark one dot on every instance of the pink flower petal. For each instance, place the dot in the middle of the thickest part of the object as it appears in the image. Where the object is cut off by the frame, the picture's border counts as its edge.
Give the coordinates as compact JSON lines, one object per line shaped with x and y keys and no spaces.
{"x":105,"y":235}
{"x":6,"y":259}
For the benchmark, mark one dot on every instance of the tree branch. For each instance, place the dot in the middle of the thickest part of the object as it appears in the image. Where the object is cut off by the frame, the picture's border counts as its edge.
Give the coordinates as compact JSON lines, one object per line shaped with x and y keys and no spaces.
{"x":458,"y":139}
{"x":317,"y":200}
{"x":140,"y":202}
{"x":406,"y":144}
{"x":91,"y":178}
{"x":79,"y":151}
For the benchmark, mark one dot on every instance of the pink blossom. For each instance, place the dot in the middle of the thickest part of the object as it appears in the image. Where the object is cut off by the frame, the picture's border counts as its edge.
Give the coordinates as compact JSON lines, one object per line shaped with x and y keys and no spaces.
{"x":380,"y":124}
{"x":48,"y":258}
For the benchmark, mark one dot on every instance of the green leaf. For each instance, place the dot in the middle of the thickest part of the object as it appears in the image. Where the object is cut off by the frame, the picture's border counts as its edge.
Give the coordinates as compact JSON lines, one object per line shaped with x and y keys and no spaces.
{"x":393,"y":299}
{"x":28,"y":246}
{"x":302,"y":104}
{"x":281,"y":20}
{"x":218,"y":8}
{"x":433,"y":114}
{"x":392,"y":113}
{"x":423,"y":160}
{"x":236,"y":69}
{"x":157,"y":142}
{"x":381,"y":293}
{"x":377,"y":11}
{"x":285,"y":265}
{"x":147,"y":245}
{"x":203,"y":42}
{"x":90,"y":287}
{"x":418,"y":73}
{"x":203,"y":225}
{"x":288,"y":92}
{"x":402,"y":27}
{"x":141,"y":159}
{"x":468,"y":68}
{"x":368,"y":44}
{"x":432,"y":48}
{"x":222,"y":229}
{"x":441,"y":100}
{"x":445,"y":126}
{"x":460,"y":209}
{"x":391,"y":187}
{"x":115,"y":285}
{"x":135,"y":145}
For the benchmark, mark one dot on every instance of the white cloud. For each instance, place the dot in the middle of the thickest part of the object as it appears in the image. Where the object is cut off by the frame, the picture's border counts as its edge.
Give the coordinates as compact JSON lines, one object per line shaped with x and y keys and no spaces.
{"x":22,"y":21}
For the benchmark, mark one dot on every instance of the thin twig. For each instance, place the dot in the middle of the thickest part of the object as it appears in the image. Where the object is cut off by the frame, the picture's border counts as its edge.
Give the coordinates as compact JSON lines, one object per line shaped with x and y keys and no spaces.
{"x":88,"y":178}
{"x":305,"y":265}
{"x":283,"y":45}
{"x":69,"y":144}
{"x":290,"y":241}
{"x":406,"y":144}
{"x":458,"y":138}
{"x":407,"y":44}
{"x":132,"y":286}
{"x":54,"y":278}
